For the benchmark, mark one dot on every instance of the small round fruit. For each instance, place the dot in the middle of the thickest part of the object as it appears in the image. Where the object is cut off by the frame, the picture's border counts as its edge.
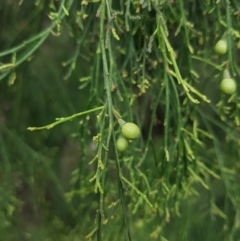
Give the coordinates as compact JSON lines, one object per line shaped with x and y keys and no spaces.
{"x":228,"y":86}
{"x":122,"y":144}
{"x":130,"y":131}
{"x":221,"y":47}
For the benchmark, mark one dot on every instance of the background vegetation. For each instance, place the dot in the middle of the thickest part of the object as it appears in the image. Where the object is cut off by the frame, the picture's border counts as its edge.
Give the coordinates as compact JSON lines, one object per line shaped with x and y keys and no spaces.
{"x":153,"y":61}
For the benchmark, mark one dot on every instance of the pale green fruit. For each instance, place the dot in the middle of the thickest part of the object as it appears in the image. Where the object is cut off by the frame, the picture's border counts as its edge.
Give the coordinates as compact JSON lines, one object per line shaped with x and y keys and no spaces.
{"x":228,"y":86}
{"x":130,"y":131}
{"x":221,"y":47}
{"x":122,"y":144}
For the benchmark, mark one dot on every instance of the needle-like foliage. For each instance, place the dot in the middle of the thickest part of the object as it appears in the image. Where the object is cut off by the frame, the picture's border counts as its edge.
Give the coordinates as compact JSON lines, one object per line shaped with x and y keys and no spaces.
{"x":72,"y":73}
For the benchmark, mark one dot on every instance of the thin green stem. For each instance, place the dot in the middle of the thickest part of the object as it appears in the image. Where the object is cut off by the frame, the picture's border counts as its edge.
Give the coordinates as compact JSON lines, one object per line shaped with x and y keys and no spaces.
{"x":65,"y":119}
{"x":136,"y":190}
{"x":209,"y":62}
{"x":42,"y":36}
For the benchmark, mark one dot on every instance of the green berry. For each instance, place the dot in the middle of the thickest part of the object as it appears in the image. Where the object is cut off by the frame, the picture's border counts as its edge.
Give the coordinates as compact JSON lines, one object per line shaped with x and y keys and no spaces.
{"x":130,"y":131}
{"x":122,"y":144}
{"x":221,"y":47}
{"x":228,"y":86}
